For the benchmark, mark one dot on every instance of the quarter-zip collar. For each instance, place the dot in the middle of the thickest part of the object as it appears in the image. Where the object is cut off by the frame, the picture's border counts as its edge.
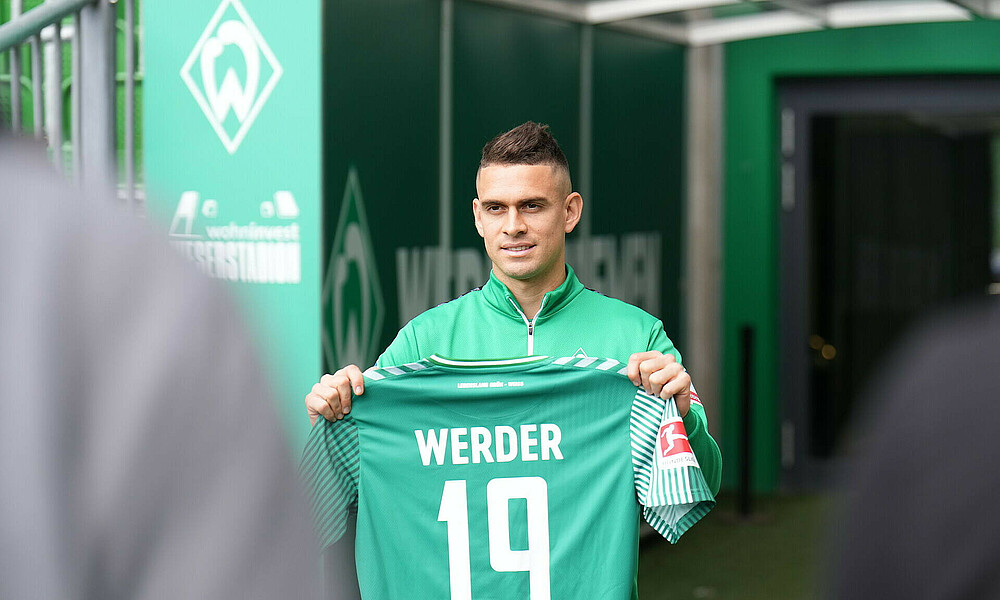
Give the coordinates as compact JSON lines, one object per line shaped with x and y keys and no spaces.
{"x":502,"y":299}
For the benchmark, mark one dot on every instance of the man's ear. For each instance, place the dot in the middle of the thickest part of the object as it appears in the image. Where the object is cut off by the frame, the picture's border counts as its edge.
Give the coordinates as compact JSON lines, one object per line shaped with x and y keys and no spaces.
{"x":476,"y":207}
{"x":574,"y":210}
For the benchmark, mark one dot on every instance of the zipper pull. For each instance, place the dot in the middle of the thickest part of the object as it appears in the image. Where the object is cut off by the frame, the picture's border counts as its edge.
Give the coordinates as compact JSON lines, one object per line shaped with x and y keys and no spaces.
{"x":531,"y":328}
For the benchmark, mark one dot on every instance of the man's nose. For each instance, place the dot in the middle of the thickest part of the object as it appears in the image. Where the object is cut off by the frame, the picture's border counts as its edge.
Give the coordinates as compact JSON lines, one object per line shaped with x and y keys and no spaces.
{"x":514,"y":224}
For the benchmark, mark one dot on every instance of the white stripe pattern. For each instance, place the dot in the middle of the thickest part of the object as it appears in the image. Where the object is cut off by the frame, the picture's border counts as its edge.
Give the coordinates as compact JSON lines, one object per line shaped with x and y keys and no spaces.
{"x":673,"y":498}
{"x":373,"y":374}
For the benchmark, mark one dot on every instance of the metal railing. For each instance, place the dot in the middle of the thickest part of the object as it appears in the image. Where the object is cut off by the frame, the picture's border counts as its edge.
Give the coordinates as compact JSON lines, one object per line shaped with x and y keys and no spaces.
{"x":90,"y":27}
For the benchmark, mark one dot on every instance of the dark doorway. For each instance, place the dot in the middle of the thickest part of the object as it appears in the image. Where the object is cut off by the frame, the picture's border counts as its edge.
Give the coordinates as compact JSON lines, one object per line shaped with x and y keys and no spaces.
{"x":888,"y":201}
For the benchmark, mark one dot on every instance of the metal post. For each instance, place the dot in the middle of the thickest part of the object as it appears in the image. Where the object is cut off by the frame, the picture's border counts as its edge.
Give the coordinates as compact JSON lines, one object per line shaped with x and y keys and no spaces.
{"x":53,"y":94}
{"x":130,"y":104}
{"x":97,"y":93}
{"x":585,"y":186}
{"x":15,"y":73}
{"x":703,"y":222}
{"x":584,"y":261}
{"x":443,"y":291}
{"x":75,"y":101}
{"x":36,"y":86}
{"x":746,"y":418}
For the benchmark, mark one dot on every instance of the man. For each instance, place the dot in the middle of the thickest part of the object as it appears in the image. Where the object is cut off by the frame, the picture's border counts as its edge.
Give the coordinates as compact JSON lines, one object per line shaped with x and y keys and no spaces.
{"x":533,"y":303}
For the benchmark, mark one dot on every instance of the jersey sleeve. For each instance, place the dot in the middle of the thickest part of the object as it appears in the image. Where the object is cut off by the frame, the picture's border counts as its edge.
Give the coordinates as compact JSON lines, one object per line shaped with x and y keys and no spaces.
{"x":669,"y":483}
{"x":330,"y":465}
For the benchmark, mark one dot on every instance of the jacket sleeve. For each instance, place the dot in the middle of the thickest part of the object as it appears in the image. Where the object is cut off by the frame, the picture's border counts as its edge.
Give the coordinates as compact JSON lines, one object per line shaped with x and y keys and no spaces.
{"x":402,"y":350}
{"x":696,"y":422}
{"x":704,"y":447}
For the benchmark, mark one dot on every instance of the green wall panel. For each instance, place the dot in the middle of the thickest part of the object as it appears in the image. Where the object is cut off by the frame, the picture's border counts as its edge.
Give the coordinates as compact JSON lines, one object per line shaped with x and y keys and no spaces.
{"x":380,"y":110}
{"x":751,"y":196}
{"x":638,"y":153}
{"x":510,"y":67}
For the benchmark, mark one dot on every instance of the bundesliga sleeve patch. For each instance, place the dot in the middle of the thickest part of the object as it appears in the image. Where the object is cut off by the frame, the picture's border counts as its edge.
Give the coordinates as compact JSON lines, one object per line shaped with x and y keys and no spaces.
{"x":672,"y":447}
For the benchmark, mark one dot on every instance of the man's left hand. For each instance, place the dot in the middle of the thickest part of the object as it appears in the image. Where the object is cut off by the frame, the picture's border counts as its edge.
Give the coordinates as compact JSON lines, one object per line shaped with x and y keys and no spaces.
{"x":661,"y":375}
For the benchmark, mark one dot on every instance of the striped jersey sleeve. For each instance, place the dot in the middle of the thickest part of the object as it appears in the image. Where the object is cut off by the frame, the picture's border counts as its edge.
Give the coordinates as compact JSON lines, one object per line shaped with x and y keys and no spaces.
{"x":668,"y":481}
{"x":330,"y":465}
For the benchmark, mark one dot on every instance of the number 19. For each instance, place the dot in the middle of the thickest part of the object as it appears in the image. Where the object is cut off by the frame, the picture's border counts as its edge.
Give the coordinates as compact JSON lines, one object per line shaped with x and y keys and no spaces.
{"x":535,"y":560}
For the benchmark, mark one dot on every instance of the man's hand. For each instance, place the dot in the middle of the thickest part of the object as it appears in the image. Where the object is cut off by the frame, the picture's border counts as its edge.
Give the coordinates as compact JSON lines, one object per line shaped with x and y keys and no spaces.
{"x":331,"y":397}
{"x":661,"y":375}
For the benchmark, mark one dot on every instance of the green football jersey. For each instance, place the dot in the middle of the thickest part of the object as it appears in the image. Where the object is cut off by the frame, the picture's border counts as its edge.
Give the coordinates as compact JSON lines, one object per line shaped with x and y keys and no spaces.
{"x":508,"y":479}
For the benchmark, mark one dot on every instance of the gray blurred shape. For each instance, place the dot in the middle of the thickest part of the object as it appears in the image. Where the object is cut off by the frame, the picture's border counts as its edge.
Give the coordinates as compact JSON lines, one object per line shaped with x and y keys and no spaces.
{"x":919,"y":519}
{"x":140,"y":454}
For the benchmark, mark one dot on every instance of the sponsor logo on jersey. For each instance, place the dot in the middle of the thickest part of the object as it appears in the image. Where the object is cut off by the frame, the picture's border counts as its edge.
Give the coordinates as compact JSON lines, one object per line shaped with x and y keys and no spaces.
{"x":231,"y":72}
{"x":268,"y":251}
{"x":580,"y":353}
{"x":672,"y":447}
{"x":352,"y":294}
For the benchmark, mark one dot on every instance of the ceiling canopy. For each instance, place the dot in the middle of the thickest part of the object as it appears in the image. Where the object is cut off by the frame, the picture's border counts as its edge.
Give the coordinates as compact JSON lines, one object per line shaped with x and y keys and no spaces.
{"x":704,"y":22}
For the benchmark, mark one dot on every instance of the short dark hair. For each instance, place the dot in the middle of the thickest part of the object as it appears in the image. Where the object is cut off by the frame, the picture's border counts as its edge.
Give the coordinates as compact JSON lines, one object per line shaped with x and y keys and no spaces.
{"x":527,"y":144}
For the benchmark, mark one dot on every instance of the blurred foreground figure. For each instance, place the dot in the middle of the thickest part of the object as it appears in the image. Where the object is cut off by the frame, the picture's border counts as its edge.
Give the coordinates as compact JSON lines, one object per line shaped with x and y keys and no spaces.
{"x":139,"y":456}
{"x":922,"y":522}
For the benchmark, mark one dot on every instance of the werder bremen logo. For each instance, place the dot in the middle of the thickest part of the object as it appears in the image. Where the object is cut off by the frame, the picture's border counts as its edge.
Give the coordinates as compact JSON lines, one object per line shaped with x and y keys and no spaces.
{"x":352,"y":296}
{"x":231,"y":72}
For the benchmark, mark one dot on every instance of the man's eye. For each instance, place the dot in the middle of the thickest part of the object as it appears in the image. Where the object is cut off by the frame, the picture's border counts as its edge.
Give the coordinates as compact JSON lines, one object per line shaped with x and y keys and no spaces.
{"x":493,"y":208}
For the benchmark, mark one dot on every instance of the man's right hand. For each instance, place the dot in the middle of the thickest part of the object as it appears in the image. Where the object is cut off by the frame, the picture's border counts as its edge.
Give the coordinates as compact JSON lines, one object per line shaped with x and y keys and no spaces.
{"x":331,"y":397}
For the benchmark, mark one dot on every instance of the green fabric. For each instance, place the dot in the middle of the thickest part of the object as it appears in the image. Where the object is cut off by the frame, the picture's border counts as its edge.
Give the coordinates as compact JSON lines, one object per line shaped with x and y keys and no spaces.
{"x":595,"y":448}
{"x":487,"y":323}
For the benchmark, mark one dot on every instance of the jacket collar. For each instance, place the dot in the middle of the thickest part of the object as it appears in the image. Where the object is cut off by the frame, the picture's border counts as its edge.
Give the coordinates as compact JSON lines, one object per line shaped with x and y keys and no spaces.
{"x":501,"y":298}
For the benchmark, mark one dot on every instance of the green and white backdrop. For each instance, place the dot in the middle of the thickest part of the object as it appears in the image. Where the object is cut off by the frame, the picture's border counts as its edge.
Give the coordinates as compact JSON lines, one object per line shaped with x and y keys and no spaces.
{"x":232,"y":138}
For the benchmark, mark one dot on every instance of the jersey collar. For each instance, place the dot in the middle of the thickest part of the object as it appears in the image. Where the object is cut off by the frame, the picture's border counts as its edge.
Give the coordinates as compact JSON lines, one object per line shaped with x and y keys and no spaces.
{"x":501,"y":298}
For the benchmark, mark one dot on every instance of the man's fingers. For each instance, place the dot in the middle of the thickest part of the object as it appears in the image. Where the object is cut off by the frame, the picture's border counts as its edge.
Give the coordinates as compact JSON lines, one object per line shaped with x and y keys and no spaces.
{"x":316,"y":406}
{"x":651,"y":372}
{"x":680,"y":389}
{"x":680,"y":383}
{"x":318,"y":400}
{"x":332,"y":396}
{"x":356,"y":381}
{"x":634,"y":362}
{"x":343,"y":396}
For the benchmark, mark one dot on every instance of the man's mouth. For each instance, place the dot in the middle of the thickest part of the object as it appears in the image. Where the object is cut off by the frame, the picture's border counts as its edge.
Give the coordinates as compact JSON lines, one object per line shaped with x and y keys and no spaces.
{"x":517,"y":249}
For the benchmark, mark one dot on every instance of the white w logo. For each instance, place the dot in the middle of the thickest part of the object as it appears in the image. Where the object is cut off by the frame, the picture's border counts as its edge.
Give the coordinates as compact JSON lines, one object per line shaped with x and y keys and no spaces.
{"x":230,"y":94}
{"x":243,"y":98}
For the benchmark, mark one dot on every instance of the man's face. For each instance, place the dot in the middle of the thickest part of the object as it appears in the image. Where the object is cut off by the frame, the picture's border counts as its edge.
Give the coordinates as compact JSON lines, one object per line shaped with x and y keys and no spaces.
{"x":523,"y":214}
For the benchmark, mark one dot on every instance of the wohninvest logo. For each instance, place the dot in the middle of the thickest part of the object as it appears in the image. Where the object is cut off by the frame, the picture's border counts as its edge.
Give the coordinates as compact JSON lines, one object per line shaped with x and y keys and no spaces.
{"x":268,"y":252}
{"x":231,"y":72}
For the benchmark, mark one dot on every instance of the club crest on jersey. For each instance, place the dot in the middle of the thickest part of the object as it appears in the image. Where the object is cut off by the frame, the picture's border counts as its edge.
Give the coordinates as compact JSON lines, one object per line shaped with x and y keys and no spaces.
{"x":672,"y":447}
